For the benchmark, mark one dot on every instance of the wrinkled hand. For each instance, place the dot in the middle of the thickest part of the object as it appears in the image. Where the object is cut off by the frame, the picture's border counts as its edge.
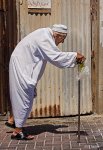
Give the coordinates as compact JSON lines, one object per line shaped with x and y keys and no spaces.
{"x":80,"y":58}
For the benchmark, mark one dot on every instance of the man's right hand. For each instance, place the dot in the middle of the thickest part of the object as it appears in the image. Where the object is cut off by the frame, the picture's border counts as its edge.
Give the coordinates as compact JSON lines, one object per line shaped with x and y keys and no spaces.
{"x":80,"y":58}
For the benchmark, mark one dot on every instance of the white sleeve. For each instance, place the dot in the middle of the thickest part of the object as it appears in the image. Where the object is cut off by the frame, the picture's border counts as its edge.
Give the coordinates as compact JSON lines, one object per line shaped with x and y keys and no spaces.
{"x":51,"y":53}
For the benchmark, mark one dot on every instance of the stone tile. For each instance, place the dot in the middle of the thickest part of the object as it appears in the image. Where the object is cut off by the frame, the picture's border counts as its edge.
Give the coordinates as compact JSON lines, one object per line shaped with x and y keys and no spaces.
{"x":54,"y":136}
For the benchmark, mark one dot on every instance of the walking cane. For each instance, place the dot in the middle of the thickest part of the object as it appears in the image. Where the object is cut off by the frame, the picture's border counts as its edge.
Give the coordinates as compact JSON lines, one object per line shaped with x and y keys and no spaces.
{"x":78,"y":106}
{"x":80,"y":66}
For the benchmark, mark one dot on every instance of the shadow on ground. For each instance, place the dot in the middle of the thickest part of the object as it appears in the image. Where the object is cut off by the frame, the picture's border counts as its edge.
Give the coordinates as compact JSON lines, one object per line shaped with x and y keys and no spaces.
{"x":38,"y":129}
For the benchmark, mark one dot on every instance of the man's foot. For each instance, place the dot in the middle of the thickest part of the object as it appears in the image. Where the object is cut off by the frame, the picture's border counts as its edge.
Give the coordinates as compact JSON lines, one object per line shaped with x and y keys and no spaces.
{"x":21,"y":136}
{"x":11,"y":125}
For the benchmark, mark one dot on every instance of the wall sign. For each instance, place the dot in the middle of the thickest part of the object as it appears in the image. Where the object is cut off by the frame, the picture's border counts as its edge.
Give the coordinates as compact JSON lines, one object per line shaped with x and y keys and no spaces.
{"x":39,"y":6}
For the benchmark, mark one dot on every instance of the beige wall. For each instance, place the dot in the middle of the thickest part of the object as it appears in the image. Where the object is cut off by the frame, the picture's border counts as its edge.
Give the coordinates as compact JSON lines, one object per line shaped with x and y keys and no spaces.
{"x":100,"y":68}
{"x":58,"y":89}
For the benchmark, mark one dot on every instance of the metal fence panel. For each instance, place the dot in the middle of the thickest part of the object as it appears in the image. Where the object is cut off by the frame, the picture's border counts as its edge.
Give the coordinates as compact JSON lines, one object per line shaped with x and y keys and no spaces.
{"x":57,"y":90}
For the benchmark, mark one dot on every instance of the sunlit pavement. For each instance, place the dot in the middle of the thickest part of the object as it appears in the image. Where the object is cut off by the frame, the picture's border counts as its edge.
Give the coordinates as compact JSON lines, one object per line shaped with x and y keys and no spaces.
{"x":56,"y":134}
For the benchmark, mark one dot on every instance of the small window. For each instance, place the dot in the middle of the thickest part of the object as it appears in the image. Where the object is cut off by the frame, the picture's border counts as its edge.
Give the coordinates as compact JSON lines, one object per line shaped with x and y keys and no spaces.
{"x":39,"y":6}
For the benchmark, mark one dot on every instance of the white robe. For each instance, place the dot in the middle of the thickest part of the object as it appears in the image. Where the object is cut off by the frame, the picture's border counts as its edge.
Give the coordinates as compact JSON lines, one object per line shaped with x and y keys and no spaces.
{"x":27,"y":64}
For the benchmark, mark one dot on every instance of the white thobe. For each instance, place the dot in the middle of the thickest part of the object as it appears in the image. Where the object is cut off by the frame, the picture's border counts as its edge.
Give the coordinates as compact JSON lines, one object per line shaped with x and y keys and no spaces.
{"x":27,"y":64}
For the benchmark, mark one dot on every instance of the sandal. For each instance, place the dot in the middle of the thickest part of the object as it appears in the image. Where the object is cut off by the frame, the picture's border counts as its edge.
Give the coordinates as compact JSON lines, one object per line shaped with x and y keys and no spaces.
{"x":21,"y":136}
{"x":10,"y":125}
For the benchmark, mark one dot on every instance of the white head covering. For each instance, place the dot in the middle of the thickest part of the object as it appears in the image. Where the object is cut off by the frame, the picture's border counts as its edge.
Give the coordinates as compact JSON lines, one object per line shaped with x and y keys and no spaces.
{"x":60,"y":28}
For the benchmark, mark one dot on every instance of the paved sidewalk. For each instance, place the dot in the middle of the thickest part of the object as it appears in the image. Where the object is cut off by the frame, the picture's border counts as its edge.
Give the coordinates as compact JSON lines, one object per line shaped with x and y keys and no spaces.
{"x":57,"y":134}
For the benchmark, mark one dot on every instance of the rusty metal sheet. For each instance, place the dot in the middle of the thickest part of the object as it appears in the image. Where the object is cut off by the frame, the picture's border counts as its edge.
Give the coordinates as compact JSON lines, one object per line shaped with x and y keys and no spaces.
{"x":57,"y":90}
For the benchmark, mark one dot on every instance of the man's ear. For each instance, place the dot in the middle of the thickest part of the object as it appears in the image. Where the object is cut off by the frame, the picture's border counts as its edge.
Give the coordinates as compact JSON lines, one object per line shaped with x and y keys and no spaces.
{"x":55,"y":35}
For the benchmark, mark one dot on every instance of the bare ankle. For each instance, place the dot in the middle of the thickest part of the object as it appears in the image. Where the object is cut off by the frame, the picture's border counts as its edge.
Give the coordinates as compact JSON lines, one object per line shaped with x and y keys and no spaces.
{"x":11,"y":119}
{"x":18,"y":130}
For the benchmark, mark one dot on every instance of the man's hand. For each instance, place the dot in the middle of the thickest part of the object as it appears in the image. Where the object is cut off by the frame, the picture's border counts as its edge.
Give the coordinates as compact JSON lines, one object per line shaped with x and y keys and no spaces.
{"x":80,"y":58}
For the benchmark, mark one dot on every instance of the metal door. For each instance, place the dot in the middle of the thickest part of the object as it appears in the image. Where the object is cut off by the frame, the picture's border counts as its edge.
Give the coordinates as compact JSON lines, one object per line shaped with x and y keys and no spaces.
{"x":8,"y":33}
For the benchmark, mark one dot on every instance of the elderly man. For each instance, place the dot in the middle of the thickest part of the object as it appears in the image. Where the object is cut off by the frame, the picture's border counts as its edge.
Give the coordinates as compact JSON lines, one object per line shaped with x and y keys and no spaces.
{"x":27,"y":64}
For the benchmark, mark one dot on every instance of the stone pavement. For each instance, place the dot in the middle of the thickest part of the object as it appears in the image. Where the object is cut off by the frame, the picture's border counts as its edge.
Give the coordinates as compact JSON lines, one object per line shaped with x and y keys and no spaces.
{"x":57,"y":134}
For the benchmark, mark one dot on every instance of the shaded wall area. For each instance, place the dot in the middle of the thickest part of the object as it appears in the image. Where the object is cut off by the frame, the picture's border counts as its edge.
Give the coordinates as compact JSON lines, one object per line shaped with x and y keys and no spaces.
{"x":8,"y":40}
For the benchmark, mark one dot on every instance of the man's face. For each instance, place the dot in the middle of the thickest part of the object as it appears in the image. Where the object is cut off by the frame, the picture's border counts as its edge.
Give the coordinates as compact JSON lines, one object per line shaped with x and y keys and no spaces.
{"x":59,"y":38}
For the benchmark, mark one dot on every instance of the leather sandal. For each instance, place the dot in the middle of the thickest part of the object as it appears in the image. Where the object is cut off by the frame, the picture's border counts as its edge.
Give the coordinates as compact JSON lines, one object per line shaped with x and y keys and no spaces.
{"x":21,"y":136}
{"x":10,"y":125}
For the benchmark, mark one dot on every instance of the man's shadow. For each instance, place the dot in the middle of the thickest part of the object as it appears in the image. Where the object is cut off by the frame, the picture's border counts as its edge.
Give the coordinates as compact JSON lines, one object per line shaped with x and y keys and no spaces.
{"x":56,"y":129}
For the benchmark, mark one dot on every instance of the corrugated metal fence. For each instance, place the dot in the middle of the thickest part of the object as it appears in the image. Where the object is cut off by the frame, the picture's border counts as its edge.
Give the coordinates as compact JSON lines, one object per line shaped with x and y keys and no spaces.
{"x":57,"y":90}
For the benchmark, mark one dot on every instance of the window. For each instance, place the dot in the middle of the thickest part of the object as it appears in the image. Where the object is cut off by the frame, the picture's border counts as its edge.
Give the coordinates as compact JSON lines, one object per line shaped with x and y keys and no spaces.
{"x":39,"y":6}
